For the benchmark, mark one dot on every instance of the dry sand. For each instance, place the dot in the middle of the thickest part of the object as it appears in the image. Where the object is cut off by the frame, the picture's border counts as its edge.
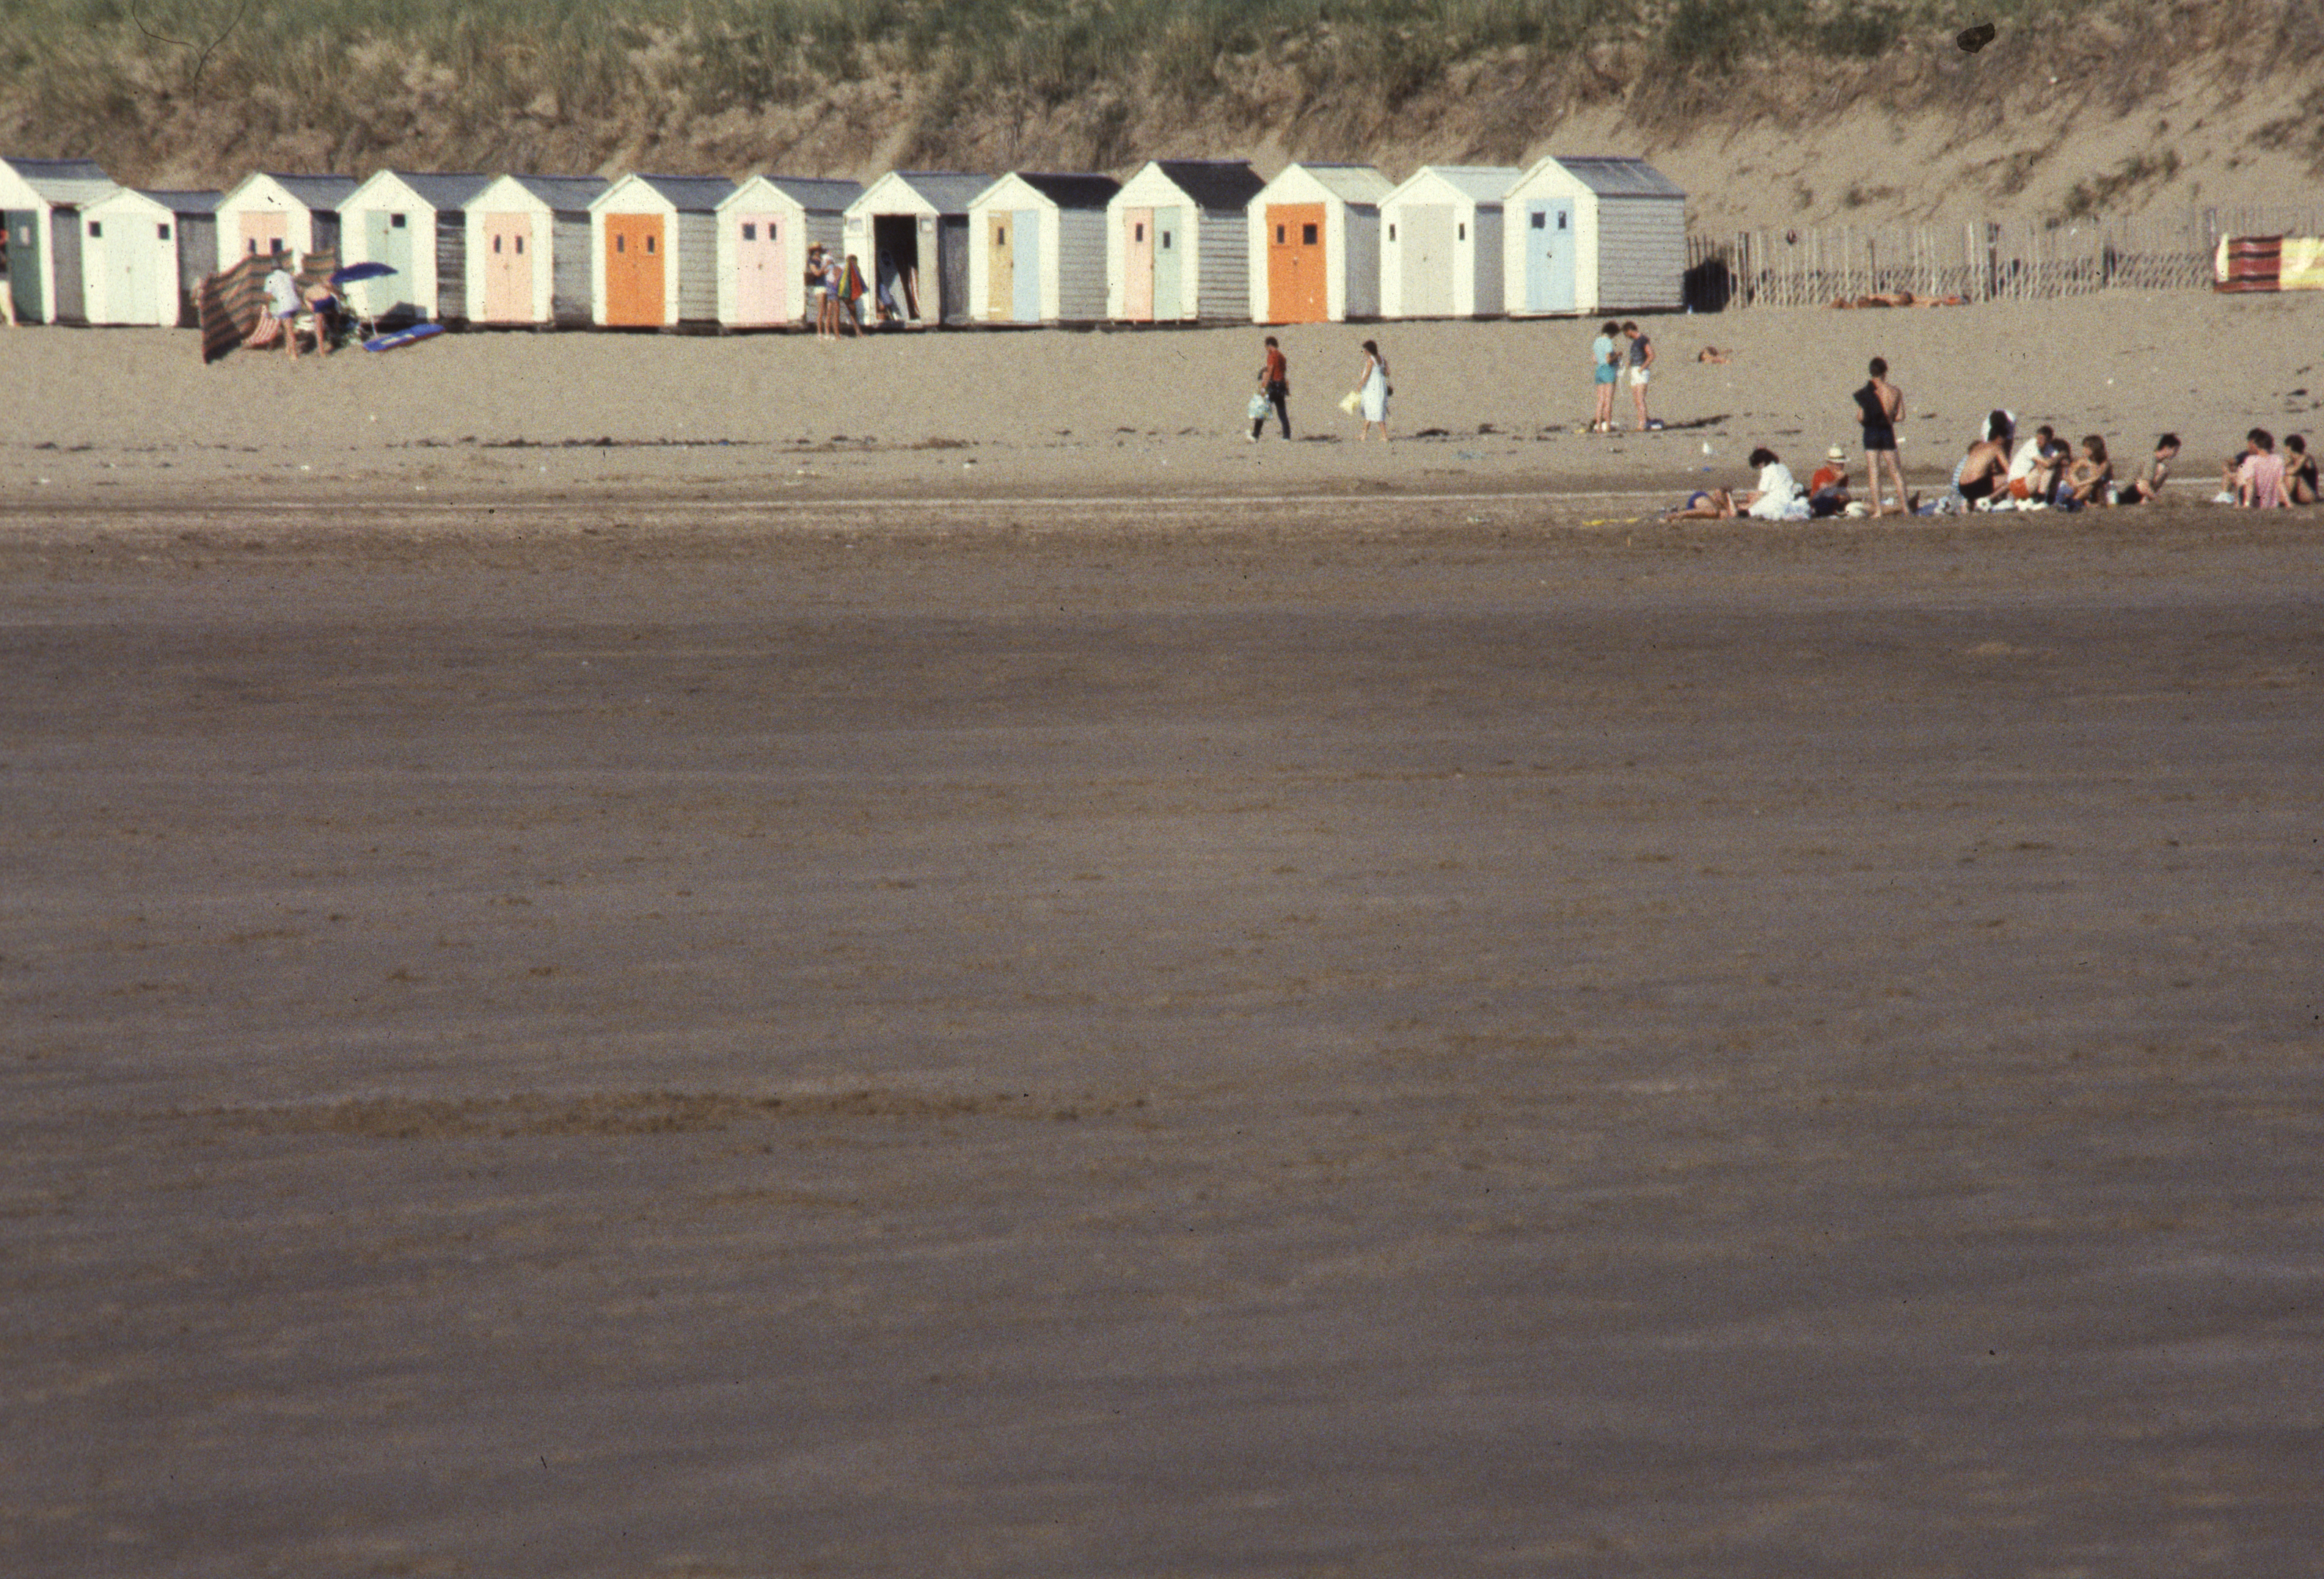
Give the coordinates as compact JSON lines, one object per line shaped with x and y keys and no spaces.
{"x":601,"y":1026}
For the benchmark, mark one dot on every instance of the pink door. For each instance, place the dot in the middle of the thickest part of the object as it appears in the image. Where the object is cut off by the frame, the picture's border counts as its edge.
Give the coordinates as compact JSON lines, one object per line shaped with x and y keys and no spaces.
{"x":265,"y":230}
{"x":759,"y":280}
{"x":508,"y":268}
{"x":1138,"y":258}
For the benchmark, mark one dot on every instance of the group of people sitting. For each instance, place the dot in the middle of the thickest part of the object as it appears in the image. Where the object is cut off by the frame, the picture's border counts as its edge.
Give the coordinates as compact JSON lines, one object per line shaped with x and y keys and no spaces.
{"x":2260,"y":478}
{"x":2046,"y":471}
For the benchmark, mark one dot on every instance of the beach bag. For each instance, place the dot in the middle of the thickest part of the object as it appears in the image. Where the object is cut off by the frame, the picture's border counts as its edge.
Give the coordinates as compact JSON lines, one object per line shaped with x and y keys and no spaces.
{"x":1353,"y":402}
{"x":1257,"y":408}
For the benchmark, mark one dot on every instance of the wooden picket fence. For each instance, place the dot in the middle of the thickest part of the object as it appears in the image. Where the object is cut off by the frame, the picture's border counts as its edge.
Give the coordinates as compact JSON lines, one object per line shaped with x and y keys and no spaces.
{"x":1983,"y":261}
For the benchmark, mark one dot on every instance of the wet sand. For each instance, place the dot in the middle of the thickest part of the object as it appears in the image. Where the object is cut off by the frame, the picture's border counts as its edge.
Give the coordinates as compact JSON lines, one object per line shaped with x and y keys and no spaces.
{"x":1378,"y":1037}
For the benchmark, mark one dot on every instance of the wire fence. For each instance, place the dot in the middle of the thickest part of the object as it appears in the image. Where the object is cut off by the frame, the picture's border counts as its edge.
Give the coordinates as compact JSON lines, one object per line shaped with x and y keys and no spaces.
{"x":1973,"y":261}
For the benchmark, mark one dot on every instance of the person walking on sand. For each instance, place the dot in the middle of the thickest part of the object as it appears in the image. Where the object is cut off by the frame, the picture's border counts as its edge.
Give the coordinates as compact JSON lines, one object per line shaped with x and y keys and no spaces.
{"x":283,"y":301}
{"x":1275,"y":388}
{"x":1881,"y":406}
{"x":1606,"y":366}
{"x":1640,"y":360}
{"x":1371,"y":385}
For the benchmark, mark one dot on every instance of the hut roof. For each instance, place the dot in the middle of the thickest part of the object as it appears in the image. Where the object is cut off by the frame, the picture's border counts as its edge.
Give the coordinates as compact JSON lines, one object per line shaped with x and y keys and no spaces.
{"x":1350,"y":183}
{"x":444,"y":191}
{"x":1071,"y":191}
{"x":1610,"y":176}
{"x":568,"y":194}
{"x":819,"y":193}
{"x":949,"y":191}
{"x":692,"y":194}
{"x":1482,"y":183}
{"x":326,"y":192}
{"x":183,"y":202}
{"x":63,"y":180}
{"x":1213,"y":183}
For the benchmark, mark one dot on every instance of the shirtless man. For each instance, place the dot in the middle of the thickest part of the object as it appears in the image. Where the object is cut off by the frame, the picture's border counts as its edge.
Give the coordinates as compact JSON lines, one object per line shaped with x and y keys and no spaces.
{"x":1986,"y":467}
{"x":1880,"y":405}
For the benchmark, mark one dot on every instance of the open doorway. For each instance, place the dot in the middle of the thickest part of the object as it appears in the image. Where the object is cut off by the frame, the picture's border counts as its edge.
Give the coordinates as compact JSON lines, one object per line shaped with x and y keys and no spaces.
{"x":896,"y":266}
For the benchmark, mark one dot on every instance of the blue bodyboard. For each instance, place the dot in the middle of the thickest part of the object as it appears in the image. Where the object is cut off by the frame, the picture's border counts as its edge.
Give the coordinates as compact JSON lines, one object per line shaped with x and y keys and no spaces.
{"x":410,"y":336}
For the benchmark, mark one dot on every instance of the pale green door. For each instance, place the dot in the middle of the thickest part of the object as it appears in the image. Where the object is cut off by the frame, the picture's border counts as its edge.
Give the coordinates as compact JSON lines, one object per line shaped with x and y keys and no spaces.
{"x":131,"y":256}
{"x":1169,"y":265}
{"x":387,"y":239}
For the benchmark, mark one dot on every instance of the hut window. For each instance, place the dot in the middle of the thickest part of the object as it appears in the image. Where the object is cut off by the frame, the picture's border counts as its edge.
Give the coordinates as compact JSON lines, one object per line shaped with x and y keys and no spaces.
{"x":1278,"y":235}
{"x":649,"y":243}
{"x":97,"y":228}
{"x":1540,"y":220}
{"x":750,"y":231}
{"x":1140,"y":233}
{"x":1165,"y":241}
{"x":520,"y":246}
{"x":161,"y":231}
{"x":1307,"y":236}
{"x":1391,"y":233}
{"x":621,"y":243}
{"x":1561,"y":219}
{"x":496,"y":244}
{"x":395,"y":221}
{"x":1462,"y":230}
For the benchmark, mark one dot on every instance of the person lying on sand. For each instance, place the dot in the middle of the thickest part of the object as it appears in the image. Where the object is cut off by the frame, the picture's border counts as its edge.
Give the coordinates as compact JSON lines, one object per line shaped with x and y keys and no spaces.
{"x":1777,"y":498}
{"x":1713,"y":354}
{"x":2147,"y":487}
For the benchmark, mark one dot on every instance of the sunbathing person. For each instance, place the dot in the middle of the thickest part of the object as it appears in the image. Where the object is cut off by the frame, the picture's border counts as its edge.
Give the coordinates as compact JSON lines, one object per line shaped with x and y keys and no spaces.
{"x":2089,"y":480}
{"x":2298,"y":472}
{"x":1777,"y":498}
{"x":1713,"y":354}
{"x":2147,"y":487}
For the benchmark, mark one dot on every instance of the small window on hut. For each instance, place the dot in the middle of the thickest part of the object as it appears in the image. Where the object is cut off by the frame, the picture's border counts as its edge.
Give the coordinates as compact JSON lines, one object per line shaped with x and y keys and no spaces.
{"x":496,"y":244}
{"x":97,"y":228}
{"x":621,"y":243}
{"x":520,"y":246}
{"x":1540,"y":220}
{"x":1140,"y":233}
{"x":1166,"y":240}
{"x":395,"y":221}
{"x":1391,"y":233}
{"x":649,"y":241}
{"x":1278,"y":235}
{"x":750,"y":231}
{"x":1561,"y":220}
{"x":161,"y":231}
{"x":1307,"y":236}
{"x":1463,"y":231}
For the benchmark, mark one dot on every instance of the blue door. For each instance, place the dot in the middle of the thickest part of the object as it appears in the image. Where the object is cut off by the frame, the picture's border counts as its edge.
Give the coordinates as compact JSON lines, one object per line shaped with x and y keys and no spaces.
{"x":1549,"y":254}
{"x":1025,"y":307}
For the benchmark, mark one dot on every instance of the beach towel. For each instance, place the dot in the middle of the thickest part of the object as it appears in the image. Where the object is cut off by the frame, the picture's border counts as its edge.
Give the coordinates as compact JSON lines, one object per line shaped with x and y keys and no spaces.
{"x":2301,"y":264}
{"x":231,"y":304}
{"x":2248,"y":263}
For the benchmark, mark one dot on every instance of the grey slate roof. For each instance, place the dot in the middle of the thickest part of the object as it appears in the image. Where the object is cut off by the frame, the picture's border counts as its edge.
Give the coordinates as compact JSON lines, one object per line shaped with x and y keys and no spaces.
{"x":183,"y":202}
{"x":1482,"y":183}
{"x":1213,"y":183}
{"x":690,"y":194}
{"x":1612,"y":177}
{"x":1072,"y":191}
{"x":816,"y":194}
{"x":447,"y":192}
{"x":71,"y":181}
{"x":947,"y":191}
{"x":566,"y":194}
{"x":324,"y":192}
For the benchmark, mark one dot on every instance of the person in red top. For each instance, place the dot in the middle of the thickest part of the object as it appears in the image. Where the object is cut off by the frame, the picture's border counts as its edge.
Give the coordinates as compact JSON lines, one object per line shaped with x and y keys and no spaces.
{"x":1828,"y":486}
{"x":1274,"y":385}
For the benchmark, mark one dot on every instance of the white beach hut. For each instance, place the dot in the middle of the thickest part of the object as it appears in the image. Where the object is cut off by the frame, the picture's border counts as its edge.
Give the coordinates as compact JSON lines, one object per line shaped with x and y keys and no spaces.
{"x":1314,"y":245}
{"x":1591,"y":234}
{"x":765,"y":226}
{"x":40,"y":203}
{"x":144,"y":255}
{"x":417,"y":223}
{"x":271,"y":213}
{"x":914,"y":224}
{"x":1441,"y":246}
{"x":528,"y":252}
{"x":1036,"y":248}
{"x":655,"y":242}
{"x":1178,"y":242}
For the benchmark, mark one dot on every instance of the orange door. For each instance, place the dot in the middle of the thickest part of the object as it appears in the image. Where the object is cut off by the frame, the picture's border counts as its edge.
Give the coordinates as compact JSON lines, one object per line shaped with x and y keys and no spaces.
{"x":633,"y":270}
{"x":508,"y":268}
{"x":265,"y":230}
{"x":1296,"y":292}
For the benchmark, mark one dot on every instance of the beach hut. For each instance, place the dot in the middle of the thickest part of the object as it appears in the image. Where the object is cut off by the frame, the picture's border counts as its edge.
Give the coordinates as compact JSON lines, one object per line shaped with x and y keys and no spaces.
{"x":765,"y":226}
{"x":1178,"y":242}
{"x":655,"y":240}
{"x":272,"y":213}
{"x":1591,"y":234}
{"x":1314,"y":245}
{"x":144,"y":255}
{"x":528,"y":250}
{"x":1036,"y":248}
{"x":914,"y":224}
{"x":41,"y":202}
{"x":417,"y":225}
{"x":1440,"y":241}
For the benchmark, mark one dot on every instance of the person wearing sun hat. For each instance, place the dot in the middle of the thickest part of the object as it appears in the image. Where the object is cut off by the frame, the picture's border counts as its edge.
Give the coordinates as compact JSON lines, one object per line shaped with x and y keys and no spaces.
{"x":1828,"y":487}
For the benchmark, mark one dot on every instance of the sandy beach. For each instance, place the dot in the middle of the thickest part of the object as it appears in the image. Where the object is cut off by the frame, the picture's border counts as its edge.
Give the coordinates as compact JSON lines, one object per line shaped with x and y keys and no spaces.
{"x":766,"y":999}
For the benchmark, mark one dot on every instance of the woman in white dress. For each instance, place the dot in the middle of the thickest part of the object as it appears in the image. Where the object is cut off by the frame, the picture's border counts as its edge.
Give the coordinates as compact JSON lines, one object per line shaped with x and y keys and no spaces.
{"x":1373,"y":389}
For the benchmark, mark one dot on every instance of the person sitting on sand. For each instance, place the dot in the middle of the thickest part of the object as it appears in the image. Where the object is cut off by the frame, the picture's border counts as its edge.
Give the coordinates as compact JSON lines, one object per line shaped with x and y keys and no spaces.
{"x":2030,"y":476}
{"x":1828,"y":486}
{"x":1777,"y":498}
{"x":2089,"y":480}
{"x":1985,"y":468}
{"x":2298,"y":472}
{"x":2147,"y":487}
{"x":2259,"y":478}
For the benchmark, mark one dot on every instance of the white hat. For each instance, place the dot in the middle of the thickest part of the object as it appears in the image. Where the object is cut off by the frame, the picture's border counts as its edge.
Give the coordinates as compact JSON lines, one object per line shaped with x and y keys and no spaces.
{"x":1835,"y":453}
